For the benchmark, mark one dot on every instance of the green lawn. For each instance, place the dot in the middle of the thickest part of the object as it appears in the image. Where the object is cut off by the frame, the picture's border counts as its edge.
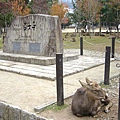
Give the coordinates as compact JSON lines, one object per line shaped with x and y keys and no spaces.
{"x":94,"y":43}
{"x":1,"y":44}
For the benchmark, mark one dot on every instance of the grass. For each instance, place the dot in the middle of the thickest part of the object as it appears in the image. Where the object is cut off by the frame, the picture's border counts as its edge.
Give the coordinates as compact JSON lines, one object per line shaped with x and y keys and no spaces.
{"x":105,"y":86}
{"x":112,"y":82}
{"x":94,"y":43}
{"x":97,"y":43}
{"x":55,"y":107}
{"x":1,"y":44}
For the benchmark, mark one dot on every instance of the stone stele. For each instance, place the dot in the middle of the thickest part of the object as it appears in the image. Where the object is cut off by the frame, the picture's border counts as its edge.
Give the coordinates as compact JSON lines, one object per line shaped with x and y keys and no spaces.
{"x":34,"y":34}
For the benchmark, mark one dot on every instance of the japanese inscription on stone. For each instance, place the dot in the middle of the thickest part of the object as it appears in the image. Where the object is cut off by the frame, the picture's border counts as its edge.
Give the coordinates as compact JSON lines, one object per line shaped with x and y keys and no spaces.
{"x":34,"y":35}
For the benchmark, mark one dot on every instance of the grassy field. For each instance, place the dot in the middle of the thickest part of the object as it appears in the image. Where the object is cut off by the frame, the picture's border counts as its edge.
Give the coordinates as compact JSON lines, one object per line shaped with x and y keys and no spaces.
{"x":90,"y":43}
{"x":94,"y":43}
{"x":1,"y":44}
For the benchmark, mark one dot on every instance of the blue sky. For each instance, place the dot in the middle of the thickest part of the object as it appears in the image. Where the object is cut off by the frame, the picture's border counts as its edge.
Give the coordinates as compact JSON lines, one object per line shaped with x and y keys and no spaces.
{"x":69,"y":2}
{"x":66,"y":0}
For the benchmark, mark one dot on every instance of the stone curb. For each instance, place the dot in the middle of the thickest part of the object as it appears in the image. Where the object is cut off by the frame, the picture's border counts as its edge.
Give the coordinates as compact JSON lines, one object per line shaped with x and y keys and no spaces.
{"x":10,"y":112}
{"x":37,"y":60}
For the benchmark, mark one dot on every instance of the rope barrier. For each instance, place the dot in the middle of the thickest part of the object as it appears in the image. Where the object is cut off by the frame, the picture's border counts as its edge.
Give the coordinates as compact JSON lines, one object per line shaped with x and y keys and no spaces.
{"x":92,"y":53}
{"x":94,"y":44}
{"x":71,"y":44}
{"x":88,"y":42}
{"x":117,"y":41}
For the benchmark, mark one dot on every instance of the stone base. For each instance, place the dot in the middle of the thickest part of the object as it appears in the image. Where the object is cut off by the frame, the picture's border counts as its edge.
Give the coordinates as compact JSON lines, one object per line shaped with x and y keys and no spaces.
{"x":38,"y":60}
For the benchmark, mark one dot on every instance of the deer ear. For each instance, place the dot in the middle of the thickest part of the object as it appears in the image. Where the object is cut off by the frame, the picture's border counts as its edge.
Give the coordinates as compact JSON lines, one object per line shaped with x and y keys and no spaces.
{"x":88,"y":81}
{"x":84,"y":85}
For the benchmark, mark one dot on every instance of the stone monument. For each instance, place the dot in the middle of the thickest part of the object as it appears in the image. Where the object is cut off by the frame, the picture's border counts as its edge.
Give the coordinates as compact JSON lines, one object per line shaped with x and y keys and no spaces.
{"x":34,"y":34}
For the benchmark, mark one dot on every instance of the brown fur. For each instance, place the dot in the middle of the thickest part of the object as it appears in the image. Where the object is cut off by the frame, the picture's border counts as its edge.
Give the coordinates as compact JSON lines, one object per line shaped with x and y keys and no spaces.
{"x":89,"y":99}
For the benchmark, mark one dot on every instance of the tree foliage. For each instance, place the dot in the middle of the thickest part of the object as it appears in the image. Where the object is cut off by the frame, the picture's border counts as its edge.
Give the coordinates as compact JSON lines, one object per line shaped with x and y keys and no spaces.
{"x":90,"y":8}
{"x":5,"y":7}
{"x":59,"y":9}
{"x":40,"y":6}
{"x":5,"y":13}
{"x":111,"y":7}
{"x":19,"y":8}
{"x":51,"y":2}
{"x":92,"y":11}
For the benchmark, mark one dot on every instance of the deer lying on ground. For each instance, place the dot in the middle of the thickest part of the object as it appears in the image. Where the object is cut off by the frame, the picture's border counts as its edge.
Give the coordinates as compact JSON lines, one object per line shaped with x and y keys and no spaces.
{"x":89,"y":99}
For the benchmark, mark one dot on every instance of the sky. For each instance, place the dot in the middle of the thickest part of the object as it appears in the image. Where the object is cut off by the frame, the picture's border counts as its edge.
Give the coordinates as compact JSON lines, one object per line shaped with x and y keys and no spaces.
{"x":69,"y":2}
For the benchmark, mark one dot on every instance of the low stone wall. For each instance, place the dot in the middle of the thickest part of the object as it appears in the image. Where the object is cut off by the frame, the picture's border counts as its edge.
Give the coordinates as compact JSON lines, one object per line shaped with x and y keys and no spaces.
{"x":10,"y":112}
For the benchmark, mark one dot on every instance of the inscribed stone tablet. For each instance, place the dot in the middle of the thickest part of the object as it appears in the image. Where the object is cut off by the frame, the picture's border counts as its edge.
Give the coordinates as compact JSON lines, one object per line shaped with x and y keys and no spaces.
{"x":34,"y":34}
{"x":34,"y":47}
{"x":16,"y":46}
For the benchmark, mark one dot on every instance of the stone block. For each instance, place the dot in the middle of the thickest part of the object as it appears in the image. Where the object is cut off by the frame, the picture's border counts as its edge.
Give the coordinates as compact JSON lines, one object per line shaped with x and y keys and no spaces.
{"x":2,"y":110}
{"x":16,"y":46}
{"x":14,"y":113}
{"x":32,"y":117}
{"x":34,"y":34}
{"x":24,"y":115}
{"x":6,"y":113}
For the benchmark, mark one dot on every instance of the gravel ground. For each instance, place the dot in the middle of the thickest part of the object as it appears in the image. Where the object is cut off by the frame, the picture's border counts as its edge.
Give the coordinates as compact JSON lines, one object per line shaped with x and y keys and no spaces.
{"x":90,"y":53}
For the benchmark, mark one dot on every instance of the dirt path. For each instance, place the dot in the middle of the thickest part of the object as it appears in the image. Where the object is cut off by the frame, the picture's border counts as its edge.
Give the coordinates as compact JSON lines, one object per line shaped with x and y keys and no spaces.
{"x":66,"y":114}
{"x":28,"y":92}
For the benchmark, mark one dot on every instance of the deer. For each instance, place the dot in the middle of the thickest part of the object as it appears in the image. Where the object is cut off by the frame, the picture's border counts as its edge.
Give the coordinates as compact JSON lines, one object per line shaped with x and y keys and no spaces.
{"x":90,"y":99}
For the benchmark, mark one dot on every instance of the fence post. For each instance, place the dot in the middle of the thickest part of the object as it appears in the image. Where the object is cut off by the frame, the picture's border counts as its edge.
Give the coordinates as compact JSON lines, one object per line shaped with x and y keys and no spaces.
{"x":113,"y":46}
{"x":107,"y":65}
{"x":59,"y":79}
{"x":118,"y":66}
{"x":81,"y":45}
{"x":119,"y":99}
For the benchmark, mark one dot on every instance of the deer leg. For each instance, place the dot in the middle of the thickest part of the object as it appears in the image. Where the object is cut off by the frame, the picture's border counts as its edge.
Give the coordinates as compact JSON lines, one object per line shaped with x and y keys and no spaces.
{"x":78,"y":115}
{"x":108,"y":105}
{"x":97,"y":106}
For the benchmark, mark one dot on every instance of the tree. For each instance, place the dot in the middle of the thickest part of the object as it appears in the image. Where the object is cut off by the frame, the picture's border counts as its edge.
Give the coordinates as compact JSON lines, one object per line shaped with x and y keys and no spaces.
{"x":91,"y":9}
{"x":5,"y":13}
{"x":86,"y":13}
{"x":59,"y":10}
{"x":19,"y":8}
{"x":26,"y":2}
{"x":40,"y":6}
{"x":51,"y":2}
{"x":5,"y":7}
{"x":111,"y":12}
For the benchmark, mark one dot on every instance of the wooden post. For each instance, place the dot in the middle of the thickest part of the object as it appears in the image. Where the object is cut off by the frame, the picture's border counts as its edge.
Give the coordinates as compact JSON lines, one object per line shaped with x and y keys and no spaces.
{"x":107,"y":65}
{"x":81,"y":45}
{"x":59,"y":79}
{"x":113,"y":46}
{"x":118,"y":66}
{"x":119,"y":99}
